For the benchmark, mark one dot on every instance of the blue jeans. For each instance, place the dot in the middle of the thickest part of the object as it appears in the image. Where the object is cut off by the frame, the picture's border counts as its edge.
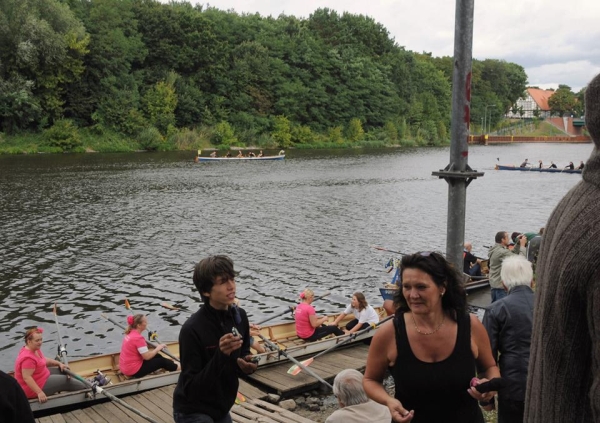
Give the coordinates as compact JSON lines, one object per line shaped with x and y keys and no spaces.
{"x":199,"y":418}
{"x":498,"y":294}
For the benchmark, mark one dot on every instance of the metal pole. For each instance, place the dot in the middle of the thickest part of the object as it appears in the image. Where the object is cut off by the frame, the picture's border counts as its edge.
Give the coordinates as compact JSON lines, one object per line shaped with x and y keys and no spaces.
{"x":458,"y":174}
{"x":484,"y":118}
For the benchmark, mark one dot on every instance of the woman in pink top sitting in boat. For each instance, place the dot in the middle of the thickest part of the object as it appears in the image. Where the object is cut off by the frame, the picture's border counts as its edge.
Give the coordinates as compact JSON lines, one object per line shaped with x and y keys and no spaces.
{"x":32,"y":372}
{"x":136,"y":360}
{"x":308,"y":324}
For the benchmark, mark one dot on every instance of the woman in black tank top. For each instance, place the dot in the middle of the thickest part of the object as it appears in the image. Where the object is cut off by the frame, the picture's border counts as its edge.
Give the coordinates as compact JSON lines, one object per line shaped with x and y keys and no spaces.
{"x":433,"y":348}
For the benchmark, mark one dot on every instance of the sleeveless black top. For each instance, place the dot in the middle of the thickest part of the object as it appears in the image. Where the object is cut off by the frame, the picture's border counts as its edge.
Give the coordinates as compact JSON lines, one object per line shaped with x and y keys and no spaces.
{"x":437,"y":391}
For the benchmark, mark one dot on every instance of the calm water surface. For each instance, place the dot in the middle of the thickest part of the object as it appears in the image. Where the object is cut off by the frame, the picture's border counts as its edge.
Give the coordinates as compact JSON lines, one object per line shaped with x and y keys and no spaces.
{"x":88,"y":231}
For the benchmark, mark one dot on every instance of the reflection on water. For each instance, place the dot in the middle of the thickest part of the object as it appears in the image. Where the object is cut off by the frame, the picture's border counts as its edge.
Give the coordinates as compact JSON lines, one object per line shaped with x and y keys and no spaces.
{"x":88,"y":231}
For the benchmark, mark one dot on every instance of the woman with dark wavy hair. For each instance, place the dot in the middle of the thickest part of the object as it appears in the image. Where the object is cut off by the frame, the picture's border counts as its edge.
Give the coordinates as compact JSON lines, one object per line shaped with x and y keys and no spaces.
{"x":432,"y":347}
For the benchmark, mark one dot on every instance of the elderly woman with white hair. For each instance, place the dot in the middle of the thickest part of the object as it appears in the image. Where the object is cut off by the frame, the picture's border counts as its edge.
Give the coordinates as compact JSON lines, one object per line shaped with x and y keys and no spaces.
{"x":355,"y":406}
{"x":509,"y":324}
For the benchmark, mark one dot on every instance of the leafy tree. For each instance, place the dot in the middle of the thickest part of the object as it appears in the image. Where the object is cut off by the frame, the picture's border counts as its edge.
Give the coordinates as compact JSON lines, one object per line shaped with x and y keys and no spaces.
{"x":19,"y":107}
{"x":281,"y":131}
{"x":563,"y":101}
{"x":334,"y":135}
{"x":355,"y":130}
{"x":42,"y":45}
{"x":223,"y":134}
{"x":159,"y":104}
{"x":391,"y":131}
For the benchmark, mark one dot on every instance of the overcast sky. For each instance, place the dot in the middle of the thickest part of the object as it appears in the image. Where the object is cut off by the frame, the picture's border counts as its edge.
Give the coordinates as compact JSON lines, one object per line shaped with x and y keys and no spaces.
{"x":557,"y":42}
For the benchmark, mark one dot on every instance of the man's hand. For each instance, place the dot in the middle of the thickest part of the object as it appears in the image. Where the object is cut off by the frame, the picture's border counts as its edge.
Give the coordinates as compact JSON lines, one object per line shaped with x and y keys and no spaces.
{"x":229,"y":343}
{"x":246,"y":365}
{"x":523,"y":240}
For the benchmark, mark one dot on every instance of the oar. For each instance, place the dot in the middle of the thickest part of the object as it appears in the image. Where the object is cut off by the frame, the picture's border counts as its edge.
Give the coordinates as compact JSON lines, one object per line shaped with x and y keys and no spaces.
{"x":150,"y":343}
{"x":172,"y":307}
{"x":62,"y":350}
{"x":388,"y":250}
{"x":295,"y":369}
{"x":275,"y":347}
{"x":98,"y":389}
{"x":290,"y":309}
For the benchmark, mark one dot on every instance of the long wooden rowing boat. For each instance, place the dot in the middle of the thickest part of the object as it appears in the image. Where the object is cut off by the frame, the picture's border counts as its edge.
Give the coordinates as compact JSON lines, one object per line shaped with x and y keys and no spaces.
{"x":235,"y":159}
{"x":537,"y":169}
{"x":282,"y":334}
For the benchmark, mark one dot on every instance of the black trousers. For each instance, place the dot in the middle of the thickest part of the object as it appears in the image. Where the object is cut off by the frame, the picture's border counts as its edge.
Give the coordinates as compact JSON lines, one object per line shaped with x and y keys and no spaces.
{"x":155,"y":363}
{"x":323,"y":331}
{"x":510,"y":411}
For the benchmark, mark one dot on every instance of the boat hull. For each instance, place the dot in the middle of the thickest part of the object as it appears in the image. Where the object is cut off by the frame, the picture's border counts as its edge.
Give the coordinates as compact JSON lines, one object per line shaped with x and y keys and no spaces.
{"x":536,"y":169}
{"x":238,"y":159}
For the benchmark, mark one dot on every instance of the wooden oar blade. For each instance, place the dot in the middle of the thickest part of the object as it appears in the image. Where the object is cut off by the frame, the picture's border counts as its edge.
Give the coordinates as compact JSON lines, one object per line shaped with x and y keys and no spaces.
{"x":169,"y":306}
{"x":239,"y":398}
{"x":127,"y":305}
{"x":295,"y":369}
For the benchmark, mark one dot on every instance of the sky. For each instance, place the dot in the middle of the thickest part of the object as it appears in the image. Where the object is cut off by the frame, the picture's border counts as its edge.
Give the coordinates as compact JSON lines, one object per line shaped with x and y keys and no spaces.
{"x":557,"y":42}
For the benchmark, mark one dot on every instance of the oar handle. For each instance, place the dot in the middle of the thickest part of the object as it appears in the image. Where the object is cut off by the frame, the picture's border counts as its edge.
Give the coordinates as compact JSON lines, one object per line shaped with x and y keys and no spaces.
{"x":150,"y":343}
{"x":108,"y":394}
{"x":62,"y":350}
{"x":292,"y":359}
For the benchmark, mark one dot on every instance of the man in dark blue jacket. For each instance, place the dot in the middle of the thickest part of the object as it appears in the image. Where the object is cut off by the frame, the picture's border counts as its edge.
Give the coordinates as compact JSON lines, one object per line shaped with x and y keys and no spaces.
{"x":214,"y":347}
{"x":508,"y":322}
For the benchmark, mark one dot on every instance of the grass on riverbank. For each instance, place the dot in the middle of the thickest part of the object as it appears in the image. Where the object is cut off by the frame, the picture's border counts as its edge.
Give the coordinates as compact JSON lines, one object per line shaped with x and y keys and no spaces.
{"x":182,"y":140}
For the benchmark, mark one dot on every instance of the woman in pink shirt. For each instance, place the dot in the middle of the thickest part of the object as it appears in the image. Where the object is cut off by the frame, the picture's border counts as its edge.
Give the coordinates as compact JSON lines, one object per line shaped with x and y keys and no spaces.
{"x":308,"y":324}
{"x":32,"y":373}
{"x":136,"y":360}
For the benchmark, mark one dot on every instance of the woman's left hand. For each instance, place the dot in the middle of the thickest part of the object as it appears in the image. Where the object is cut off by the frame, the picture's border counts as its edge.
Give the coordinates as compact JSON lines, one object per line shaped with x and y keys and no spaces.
{"x":482,"y":397}
{"x":62,"y":367}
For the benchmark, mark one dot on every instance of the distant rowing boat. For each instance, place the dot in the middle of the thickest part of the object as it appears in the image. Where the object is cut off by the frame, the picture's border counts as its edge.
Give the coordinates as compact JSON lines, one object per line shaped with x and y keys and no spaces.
{"x":233,"y":159}
{"x":537,"y":169}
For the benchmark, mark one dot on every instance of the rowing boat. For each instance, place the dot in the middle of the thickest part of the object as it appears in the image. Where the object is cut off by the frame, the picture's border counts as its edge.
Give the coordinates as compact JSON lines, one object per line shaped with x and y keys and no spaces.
{"x":537,"y":169}
{"x":237,"y":159}
{"x":282,"y":334}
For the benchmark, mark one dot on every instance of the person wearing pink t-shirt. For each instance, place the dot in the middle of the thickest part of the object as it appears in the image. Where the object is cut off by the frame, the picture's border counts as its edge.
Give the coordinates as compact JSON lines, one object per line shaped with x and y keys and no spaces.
{"x":136,"y":360}
{"x":308,"y":324}
{"x":33,"y":374}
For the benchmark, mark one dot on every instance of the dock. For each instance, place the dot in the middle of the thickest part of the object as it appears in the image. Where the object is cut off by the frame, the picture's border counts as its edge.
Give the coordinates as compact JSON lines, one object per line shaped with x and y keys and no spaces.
{"x":158,"y":403}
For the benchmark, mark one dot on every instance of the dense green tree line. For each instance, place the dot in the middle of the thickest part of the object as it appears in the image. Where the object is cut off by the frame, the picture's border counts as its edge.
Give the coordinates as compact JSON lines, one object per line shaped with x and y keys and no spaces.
{"x":177,"y":75}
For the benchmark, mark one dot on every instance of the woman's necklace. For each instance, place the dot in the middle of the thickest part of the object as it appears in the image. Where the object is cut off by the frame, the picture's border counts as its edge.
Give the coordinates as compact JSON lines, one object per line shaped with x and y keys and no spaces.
{"x":427,"y":333}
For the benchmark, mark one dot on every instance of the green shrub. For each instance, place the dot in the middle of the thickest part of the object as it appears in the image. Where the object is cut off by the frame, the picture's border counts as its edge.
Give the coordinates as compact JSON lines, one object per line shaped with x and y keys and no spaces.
{"x":63,"y":134}
{"x":223,"y":134}
{"x":150,"y":139}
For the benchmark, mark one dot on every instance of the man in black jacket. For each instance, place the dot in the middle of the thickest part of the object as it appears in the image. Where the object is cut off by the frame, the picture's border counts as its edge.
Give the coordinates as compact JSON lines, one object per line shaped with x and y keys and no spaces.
{"x":508,"y":322}
{"x":214,"y":347}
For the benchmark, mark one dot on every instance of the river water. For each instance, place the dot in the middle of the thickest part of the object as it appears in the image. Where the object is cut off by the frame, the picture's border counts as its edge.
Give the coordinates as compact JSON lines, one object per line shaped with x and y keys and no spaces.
{"x":87,"y":231}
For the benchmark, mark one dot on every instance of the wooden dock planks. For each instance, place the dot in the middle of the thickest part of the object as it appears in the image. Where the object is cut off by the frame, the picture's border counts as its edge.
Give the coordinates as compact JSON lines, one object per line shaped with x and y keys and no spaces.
{"x":275,"y":378}
{"x":158,"y":404}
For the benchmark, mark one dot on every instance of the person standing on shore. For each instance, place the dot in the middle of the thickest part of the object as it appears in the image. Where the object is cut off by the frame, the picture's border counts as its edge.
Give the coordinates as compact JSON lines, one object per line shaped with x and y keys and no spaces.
{"x":214,"y":345}
{"x":496,"y":255}
{"x":564,"y":366}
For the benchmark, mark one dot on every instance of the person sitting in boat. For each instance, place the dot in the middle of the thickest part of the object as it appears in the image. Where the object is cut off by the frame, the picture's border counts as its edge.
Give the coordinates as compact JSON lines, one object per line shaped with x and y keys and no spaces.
{"x":228,"y":155}
{"x":240,"y":154}
{"x":471,"y":264}
{"x":213,"y":154}
{"x":570,"y":166}
{"x":552,"y":165}
{"x":40,"y":376}
{"x":364,"y":314}
{"x":525,"y":163}
{"x":251,"y":154}
{"x":541,"y":164}
{"x":136,"y":360}
{"x":308,"y":324}
{"x":281,"y":152}
{"x":581,"y":165}
{"x":260,"y":154}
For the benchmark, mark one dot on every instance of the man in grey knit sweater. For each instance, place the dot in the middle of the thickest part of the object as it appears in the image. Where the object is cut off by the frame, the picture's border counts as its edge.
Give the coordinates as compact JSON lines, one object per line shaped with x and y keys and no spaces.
{"x":564,"y":368}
